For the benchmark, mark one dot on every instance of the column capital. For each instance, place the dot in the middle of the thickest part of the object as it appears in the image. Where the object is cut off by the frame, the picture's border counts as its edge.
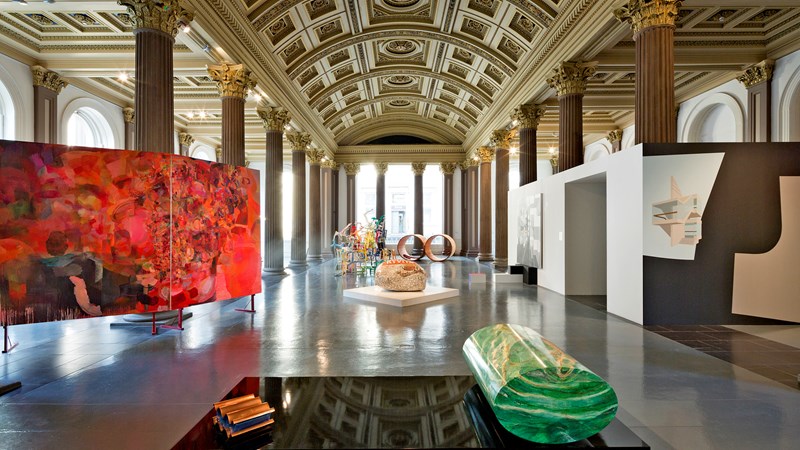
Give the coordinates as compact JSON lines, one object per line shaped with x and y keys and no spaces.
{"x":315,"y":156}
{"x":570,"y":77}
{"x":528,"y":115}
{"x":275,"y":118}
{"x":381,"y":167}
{"x":351,"y":169}
{"x":468,"y":163}
{"x":486,"y":154}
{"x":418,"y":168}
{"x":757,"y":73}
{"x":299,"y":140}
{"x":447,"y":168}
{"x":161,"y":15}
{"x":502,"y":138}
{"x":330,"y":164}
{"x":643,"y":14}
{"x":185,"y":139}
{"x":233,"y":80}
{"x":48,"y":79}
{"x":128,"y":114}
{"x":218,"y":151}
{"x":614,"y":135}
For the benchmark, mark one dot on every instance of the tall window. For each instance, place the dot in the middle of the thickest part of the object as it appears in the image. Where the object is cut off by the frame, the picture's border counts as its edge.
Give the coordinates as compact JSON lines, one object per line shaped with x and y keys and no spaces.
{"x":432,"y":200}
{"x":6,"y":114}
{"x":399,"y":202}
{"x":513,"y":173}
{"x":365,"y":194}
{"x":87,"y":127}
{"x":204,"y":152}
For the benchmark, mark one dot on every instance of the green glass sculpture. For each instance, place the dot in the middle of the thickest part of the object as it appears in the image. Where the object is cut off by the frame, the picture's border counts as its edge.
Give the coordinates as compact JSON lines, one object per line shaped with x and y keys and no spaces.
{"x":537,"y":391}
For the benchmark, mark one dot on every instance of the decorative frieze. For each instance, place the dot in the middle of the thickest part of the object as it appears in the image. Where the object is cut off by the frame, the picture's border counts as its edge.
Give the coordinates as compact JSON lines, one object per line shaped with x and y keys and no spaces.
{"x":299,"y":140}
{"x":501,"y":138}
{"x":418,"y":168}
{"x":570,"y":77}
{"x":275,"y":118}
{"x":528,"y":115}
{"x":643,"y":14}
{"x":163,"y":15}
{"x":486,"y":154}
{"x":757,"y":73}
{"x":233,"y":80}
{"x":48,"y":79}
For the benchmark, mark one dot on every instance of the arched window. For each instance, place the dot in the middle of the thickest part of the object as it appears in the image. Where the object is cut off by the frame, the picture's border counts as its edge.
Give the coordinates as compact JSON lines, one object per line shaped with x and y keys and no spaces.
{"x":6,"y":113}
{"x":87,"y":127}
{"x":717,"y":118}
{"x":204,"y":152}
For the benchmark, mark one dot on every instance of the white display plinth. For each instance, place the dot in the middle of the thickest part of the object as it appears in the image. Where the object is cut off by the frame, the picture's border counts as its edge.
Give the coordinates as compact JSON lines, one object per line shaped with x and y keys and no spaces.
{"x":380,"y":295}
{"x":477,"y":278}
{"x":507,"y":278}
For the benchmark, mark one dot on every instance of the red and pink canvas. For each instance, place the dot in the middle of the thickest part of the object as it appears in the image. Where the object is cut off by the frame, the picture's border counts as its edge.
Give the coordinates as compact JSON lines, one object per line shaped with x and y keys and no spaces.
{"x":90,"y":232}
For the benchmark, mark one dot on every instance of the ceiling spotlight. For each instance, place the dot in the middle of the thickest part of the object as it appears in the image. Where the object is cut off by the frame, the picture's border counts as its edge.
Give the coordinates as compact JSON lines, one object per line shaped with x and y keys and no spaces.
{"x":552,"y":150}
{"x":513,"y":150}
{"x":190,"y":115}
{"x":257,"y":97}
{"x":514,"y":123}
{"x":476,"y":158}
{"x":123,"y":76}
{"x":202,"y":114}
{"x":288,"y":127}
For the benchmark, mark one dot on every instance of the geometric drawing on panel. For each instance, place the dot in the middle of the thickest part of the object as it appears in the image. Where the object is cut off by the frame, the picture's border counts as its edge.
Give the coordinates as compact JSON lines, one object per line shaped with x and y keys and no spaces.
{"x":529,"y":237}
{"x":767,"y":284}
{"x":679,"y":216}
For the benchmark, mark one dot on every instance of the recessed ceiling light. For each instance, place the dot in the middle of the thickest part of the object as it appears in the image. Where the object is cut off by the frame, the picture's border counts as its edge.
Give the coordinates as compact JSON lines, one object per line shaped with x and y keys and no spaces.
{"x":123,"y":76}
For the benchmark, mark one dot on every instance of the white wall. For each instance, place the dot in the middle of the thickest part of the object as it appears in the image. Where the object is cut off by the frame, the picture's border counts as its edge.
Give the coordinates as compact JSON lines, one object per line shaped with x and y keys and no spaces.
{"x":714,"y":116}
{"x":18,"y":80}
{"x":786,"y":99}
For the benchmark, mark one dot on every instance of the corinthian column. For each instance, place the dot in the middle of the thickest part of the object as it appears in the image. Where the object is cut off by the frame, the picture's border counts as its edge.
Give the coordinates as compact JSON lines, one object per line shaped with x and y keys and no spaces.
{"x":756,"y":79}
{"x":463,"y":165}
{"x":185,"y":140}
{"x":327,"y":193}
{"x":274,"y":121}
{"x":300,"y":142}
{"x":569,"y":81}
{"x":155,"y":24}
{"x":653,"y":23}
{"x":380,"y":189}
{"x":233,"y":82}
{"x":447,"y":169}
{"x":486,"y":155}
{"x":473,"y":209}
{"x":314,"y":205}
{"x":615,"y":138}
{"x":351,"y":170}
{"x":46,"y":87}
{"x":501,"y":140}
{"x":129,"y":117}
{"x":528,"y":117}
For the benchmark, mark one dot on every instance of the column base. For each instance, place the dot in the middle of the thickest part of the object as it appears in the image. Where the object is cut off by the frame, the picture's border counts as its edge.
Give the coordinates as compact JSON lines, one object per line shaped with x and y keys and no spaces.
{"x":485,"y":257}
{"x":298,"y":264}
{"x":273,"y":271}
{"x":314,"y":258}
{"x":471,"y":253}
{"x":501,"y":263}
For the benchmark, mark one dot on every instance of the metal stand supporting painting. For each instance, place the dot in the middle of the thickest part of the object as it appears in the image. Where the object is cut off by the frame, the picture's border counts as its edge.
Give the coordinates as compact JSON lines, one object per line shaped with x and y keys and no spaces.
{"x":252,"y":308}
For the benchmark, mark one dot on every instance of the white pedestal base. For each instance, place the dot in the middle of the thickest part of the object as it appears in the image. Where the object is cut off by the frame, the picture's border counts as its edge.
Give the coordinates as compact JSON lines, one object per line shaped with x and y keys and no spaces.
{"x":507,"y":278}
{"x":380,"y":295}
{"x":477,"y":277}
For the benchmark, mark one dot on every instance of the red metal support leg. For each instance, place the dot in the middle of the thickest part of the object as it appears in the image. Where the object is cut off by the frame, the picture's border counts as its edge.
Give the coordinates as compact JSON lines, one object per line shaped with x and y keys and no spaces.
{"x":155,"y":330}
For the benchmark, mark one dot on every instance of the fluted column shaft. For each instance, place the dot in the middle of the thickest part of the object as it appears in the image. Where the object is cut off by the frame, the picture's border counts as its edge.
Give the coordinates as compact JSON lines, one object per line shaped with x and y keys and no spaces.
{"x":570,"y":131}
{"x":298,"y":255}
{"x":448,"y":209}
{"x":273,"y":203}
{"x":314,"y":213}
{"x":473,"y":210}
{"x":418,"y":212}
{"x":351,"y":198}
{"x":527,"y":155}
{"x":464,"y":219}
{"x":233,"y":131}
{"x":45,"y":111}
{"x":501,"y":208}
{"x":655,"y":85}
{"x":154,"y":126}
{"x":380,"y":195}
{"x":486,"y":208}
{"x":335,"y":199}
{"x":327,"y":225}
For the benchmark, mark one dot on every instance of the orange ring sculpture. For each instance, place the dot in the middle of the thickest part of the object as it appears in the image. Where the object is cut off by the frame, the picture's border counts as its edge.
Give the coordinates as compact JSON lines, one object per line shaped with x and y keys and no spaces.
{"x":430,"y":254}
{"x":401,"y":246}
{"x":426,"y":246}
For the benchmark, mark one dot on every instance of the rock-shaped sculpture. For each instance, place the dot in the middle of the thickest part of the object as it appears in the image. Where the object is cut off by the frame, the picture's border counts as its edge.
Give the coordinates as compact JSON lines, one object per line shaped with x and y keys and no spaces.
{"x":399,"y":275}
{"x":537,"y":391}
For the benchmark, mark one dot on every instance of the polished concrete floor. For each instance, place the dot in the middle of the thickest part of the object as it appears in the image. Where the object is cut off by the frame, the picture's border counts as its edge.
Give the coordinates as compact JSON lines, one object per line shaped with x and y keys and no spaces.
{"x":87,"y":385}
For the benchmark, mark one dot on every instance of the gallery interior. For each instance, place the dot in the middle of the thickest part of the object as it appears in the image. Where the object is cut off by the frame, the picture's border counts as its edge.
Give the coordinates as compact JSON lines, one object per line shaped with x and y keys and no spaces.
{"x":555,"y":141}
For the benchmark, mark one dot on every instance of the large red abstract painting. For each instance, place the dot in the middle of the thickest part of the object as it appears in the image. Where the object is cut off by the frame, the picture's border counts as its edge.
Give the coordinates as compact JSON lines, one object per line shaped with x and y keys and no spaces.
{"x":89,"y":232}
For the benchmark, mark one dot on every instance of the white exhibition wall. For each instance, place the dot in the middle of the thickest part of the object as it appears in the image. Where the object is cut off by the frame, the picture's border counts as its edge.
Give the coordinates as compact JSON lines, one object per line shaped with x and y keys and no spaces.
{"x":618,"y":178}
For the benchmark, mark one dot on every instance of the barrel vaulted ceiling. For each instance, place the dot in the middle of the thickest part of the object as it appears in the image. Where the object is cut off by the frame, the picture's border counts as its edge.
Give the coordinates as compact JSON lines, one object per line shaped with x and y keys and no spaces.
{"x":353,"y":71}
